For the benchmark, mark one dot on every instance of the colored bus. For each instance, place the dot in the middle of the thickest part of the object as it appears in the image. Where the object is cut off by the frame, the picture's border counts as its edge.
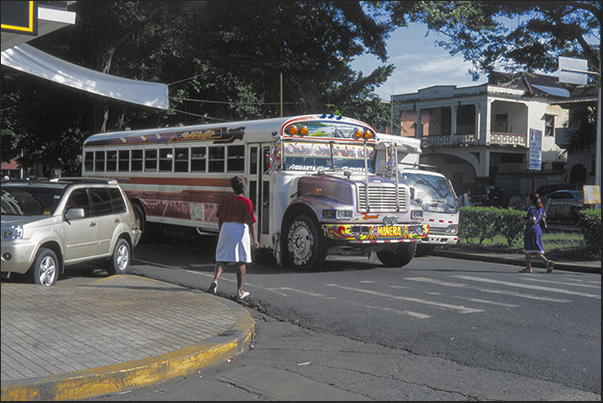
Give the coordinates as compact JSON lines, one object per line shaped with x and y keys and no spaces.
{"x":430,"y":189}
{"x":311,"y":179}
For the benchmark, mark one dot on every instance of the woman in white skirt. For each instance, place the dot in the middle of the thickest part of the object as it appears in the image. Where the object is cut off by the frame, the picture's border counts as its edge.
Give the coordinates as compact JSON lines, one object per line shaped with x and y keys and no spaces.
{"x":236,"y":220}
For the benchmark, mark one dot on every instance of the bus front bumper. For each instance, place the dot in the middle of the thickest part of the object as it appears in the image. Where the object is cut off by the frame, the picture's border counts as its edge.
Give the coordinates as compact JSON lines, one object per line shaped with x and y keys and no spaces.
{"x":376,"y":233}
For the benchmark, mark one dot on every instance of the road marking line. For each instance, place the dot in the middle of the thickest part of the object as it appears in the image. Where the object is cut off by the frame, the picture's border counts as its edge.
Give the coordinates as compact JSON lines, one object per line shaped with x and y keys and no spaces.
{"x":564,"y":283}
{"x":488,"y":290}
{"x":531,"y":287}
{"x":461,"y":309}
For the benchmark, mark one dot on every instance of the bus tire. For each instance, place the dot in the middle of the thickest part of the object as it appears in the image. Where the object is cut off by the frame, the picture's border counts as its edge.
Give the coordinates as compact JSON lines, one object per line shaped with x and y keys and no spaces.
{"x":305,"y":246}
{"x":399,"y":257}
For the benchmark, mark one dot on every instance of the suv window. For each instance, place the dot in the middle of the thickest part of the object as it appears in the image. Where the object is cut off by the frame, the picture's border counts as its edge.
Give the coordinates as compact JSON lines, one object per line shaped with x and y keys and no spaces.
{"x":119,"y":206}
{"x":79,"y":199}
{"x":101,"y":201}
{"x":30,"y":200}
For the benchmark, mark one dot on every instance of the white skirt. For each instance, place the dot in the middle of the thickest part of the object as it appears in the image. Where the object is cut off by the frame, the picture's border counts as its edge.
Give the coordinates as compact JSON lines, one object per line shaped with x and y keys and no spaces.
{"x":234,"y":243}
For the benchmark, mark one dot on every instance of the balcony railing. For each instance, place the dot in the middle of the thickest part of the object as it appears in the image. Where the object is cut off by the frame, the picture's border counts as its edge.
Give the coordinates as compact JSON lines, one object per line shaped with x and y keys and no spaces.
{"x":464,"y":140}
{"x":508,"y":139}
{"x":456,"y":140}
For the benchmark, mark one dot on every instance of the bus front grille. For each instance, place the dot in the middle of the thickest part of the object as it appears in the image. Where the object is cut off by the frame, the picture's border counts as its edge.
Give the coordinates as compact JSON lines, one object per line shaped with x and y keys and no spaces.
{"x":381,"y":198}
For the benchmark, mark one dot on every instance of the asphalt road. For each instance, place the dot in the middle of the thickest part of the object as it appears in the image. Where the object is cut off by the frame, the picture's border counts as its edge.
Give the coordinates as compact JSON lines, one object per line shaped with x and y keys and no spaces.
{"x":437,"y":329}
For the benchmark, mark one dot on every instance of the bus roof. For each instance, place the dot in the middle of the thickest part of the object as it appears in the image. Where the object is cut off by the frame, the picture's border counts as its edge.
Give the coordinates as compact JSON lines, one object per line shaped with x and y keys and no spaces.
{"x":263,"y":130}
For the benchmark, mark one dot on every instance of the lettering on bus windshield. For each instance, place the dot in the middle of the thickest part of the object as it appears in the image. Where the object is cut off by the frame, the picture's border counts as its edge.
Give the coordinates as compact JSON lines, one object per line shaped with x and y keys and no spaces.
{"x":309,"y":156}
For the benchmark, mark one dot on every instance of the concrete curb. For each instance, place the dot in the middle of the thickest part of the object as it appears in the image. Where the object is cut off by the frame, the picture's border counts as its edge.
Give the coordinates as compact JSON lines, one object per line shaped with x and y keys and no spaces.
{"x":519,"y":260}
{"x":135,"y":374}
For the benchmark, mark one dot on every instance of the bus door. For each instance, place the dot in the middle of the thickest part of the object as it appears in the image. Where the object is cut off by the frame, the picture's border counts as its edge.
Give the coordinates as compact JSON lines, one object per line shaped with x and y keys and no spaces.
{"x":259,"y":188}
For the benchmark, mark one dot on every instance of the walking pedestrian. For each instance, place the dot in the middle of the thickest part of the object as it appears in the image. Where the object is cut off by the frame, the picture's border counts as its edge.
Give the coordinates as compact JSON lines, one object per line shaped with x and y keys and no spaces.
{"x":236,"y":220}
{"x":532,"y":236}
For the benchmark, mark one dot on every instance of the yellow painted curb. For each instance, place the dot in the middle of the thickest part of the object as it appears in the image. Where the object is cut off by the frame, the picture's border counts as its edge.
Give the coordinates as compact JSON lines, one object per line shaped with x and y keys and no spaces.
{"x":135,"y":374}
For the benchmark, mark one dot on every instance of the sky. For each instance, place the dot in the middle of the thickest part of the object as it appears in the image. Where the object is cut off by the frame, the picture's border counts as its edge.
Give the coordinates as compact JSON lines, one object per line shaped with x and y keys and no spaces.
{"x":419,"y":63}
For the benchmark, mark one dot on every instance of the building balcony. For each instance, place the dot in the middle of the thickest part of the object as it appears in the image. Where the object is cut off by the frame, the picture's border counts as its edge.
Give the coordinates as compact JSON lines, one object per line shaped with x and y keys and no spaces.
{"x":465,"y":140}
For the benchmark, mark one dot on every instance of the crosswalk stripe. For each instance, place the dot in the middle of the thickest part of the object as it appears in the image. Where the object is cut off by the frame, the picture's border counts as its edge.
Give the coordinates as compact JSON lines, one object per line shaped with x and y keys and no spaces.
{"x":488,"y":290}
{"x":537,"y":280}
{"x":461,"y":309}
{"x":527,"y":286}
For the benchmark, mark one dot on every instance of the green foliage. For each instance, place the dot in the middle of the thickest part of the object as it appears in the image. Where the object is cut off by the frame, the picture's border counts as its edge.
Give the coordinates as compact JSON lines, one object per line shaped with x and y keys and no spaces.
{"x":589,"y":221}
{"x":483,"y":223}
{"x":222,"y":60}
{"x":540,"y":32}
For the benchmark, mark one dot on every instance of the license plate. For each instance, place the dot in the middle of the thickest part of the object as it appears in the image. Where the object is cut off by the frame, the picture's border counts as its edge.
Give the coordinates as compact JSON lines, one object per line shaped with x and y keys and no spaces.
{"x":389,"y":231}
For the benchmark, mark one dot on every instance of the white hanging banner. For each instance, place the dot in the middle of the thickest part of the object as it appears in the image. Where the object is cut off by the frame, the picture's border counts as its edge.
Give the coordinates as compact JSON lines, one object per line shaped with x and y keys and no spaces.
{"x":30,"y":60}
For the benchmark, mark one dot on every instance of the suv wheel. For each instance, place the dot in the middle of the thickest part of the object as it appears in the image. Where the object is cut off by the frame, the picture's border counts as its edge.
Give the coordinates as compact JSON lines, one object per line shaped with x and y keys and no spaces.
{"x":45,"y":267}
{"x":120,"y":261}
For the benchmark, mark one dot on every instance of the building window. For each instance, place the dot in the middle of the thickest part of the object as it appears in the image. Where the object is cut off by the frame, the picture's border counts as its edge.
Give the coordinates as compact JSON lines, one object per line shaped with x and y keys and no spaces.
{"x":549,"y":125}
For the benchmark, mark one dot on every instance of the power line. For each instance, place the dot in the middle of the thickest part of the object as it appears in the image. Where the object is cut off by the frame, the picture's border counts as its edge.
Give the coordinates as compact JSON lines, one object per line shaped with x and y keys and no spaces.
{"x":232,"y":102}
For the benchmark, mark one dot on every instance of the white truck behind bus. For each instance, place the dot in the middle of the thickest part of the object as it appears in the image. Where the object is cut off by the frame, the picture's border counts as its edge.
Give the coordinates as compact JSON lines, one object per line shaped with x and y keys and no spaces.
{"x":432,"y":190}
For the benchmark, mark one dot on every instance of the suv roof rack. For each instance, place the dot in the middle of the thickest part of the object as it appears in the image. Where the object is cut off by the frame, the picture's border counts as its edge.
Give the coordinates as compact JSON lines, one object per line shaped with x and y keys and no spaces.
{"x":85,"y":180}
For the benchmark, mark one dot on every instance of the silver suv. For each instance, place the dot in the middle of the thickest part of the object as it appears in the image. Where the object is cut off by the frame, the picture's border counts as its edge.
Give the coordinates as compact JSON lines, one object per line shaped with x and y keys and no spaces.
{"x":47,"y":225}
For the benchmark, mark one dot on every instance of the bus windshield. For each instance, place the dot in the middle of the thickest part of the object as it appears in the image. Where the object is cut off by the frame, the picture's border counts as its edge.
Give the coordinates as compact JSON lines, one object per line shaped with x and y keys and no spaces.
{"x":327,"y":156}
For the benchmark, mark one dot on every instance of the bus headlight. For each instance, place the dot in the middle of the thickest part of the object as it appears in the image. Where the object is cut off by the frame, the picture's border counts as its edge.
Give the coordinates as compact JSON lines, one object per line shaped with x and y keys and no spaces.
{"x":12,"y":232}
{"x":334,"y":214}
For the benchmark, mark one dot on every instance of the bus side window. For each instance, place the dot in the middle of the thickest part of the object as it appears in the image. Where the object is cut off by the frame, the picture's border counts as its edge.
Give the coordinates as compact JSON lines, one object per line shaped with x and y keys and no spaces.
{"x":236,"y":159}
{"x":150,"y":160}
{"x":111,"y":161}
{"x":216,"y":159}
{"x":89,"y":161}
{"x":166,"y":156}
{"x":181,"y":160}
{"x":136,"y":160}
{"x":198,"y":159}
{"x":99,"y":161}
{"x":124,"y":161}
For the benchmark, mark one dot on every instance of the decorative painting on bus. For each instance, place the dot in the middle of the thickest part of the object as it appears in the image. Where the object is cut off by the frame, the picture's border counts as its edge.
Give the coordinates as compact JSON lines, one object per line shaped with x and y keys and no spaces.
{"x":219,"y":135}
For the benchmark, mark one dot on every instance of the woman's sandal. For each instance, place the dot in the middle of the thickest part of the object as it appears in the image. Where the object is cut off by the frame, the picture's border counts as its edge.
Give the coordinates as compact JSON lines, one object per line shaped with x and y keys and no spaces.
{"x":213,"y":288}
{"x":525,"y":271}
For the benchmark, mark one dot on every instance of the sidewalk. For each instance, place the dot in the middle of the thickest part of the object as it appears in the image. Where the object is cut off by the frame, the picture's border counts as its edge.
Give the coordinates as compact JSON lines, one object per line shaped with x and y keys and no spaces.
{"x":75,"y":342}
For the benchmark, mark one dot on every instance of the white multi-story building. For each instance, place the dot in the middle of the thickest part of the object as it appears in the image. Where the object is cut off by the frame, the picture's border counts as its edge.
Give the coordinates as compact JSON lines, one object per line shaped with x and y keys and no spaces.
{"x":482,"y":133}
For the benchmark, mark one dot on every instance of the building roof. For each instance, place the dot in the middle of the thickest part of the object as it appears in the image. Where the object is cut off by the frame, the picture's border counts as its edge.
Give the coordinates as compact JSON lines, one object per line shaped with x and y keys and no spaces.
{"x":536,"y":84}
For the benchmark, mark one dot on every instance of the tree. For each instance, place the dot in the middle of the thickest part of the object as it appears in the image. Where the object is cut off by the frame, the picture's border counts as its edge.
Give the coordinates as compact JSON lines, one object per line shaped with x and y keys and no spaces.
{"x":543,"y":31}
{"x":221,"y":60}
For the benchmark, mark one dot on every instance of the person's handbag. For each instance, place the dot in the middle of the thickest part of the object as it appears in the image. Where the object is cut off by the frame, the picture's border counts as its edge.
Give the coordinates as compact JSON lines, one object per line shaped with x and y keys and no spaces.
{"x":542,"y":223}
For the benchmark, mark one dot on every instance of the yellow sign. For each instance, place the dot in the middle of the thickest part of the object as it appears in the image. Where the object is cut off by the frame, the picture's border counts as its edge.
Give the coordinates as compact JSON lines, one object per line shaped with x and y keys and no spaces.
{"x":389,"y":232}
{"x":592,"y":195}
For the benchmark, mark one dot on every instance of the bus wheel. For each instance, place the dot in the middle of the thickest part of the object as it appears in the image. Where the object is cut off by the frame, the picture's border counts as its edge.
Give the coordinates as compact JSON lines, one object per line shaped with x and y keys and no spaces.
{"x":305,"y":246}
{"x":399,"y":257}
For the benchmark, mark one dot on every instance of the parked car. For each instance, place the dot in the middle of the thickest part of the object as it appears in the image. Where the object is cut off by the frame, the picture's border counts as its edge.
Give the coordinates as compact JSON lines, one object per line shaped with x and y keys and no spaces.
{"x":546,"y":189}
{"x":482,"y":195}
{"x":563,"y":204}
{"x":47,"y":225}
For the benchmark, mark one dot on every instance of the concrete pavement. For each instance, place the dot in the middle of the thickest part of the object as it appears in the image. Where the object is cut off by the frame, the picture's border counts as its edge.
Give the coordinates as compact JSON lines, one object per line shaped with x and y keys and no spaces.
{"x":115,"y":334}
{"x":124,"y":332}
